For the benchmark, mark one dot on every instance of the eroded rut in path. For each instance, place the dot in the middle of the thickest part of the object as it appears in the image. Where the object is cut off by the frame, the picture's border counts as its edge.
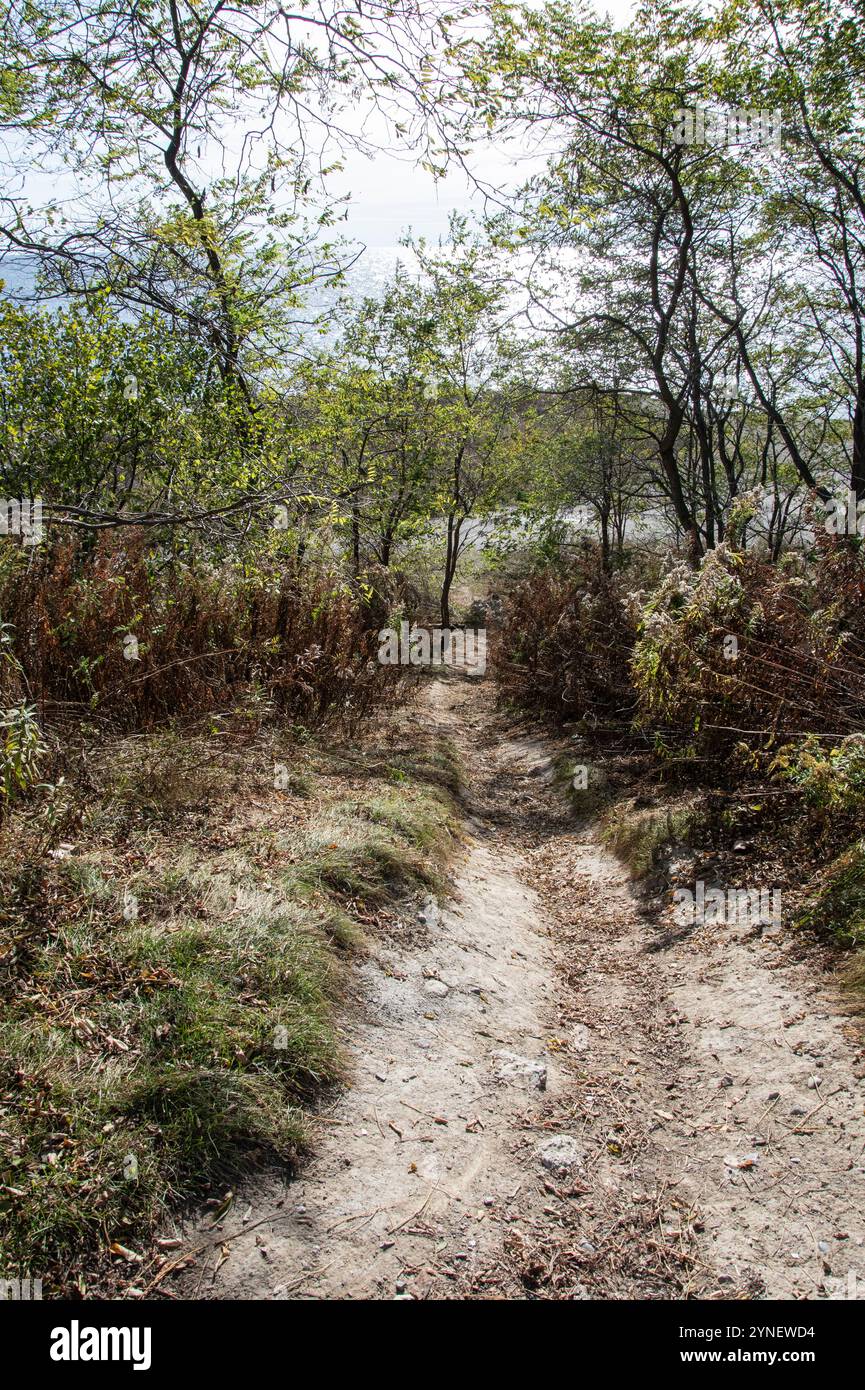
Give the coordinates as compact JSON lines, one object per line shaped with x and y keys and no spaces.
{"x":542,"y":1106}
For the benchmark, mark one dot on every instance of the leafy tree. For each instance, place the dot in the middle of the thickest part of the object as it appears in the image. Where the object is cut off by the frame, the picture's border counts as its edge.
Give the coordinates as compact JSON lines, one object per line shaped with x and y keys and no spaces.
{"x":195,"y":136}
{"x":116,"y":421}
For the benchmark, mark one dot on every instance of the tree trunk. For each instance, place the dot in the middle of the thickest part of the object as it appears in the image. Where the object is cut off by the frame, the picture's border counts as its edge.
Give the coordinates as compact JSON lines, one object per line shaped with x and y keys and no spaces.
{"x":451,"y":557}
{"x":857,"y":473}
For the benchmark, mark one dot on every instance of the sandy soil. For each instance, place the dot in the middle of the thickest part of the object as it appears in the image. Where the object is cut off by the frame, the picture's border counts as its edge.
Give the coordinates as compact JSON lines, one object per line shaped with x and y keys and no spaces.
{"x":550,"y":1100}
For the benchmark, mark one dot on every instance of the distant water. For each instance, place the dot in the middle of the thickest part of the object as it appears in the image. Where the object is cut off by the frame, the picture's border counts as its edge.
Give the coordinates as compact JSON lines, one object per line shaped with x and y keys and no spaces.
{"x":375,"y":267}
{"x":368,"y":277}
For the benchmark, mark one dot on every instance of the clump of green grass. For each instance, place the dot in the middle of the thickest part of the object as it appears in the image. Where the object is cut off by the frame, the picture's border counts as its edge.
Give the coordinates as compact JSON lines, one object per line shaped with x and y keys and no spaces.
{"x":167,"y":1001}
{"x":144,"y":1062}
{"x":342,"y":931}
{"x":853,"y":981}
{"x":420,"y":819}
{"x":636,"y":835}
{"x":429,"y":765}
{"x":379,"y":849}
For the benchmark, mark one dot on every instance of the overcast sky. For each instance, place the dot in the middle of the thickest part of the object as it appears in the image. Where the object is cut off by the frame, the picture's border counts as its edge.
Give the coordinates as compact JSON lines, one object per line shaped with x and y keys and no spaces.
{"x":389,"y":194}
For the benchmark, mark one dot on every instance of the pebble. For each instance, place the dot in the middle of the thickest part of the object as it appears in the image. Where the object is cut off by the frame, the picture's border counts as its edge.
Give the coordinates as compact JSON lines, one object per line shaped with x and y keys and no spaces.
{"x":561,"y":1154}
{"x":511,"y":1067}
{"x":429,"y":913}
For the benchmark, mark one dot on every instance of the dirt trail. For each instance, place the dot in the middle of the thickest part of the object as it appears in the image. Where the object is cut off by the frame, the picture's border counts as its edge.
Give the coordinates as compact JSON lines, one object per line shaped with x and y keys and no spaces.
{"x":545,"y":1104}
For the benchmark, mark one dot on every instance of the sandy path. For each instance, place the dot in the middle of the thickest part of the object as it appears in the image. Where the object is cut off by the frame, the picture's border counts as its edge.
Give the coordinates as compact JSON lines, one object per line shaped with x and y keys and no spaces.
{"x":415,"y":1165}
{"x":602,"y":1162}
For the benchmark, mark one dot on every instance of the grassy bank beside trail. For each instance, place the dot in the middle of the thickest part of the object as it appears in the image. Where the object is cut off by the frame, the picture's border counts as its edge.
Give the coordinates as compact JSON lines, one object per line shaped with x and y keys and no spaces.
{"x":171,"y":962}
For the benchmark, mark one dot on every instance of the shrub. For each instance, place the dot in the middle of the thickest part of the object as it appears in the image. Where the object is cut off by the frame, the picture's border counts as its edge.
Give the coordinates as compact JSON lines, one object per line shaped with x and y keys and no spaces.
{"x":831,"y":779}
{"x":21,"y":745}
{"x":797,"y":665}
{"x":113,"y":630}
{"x":565,"y":644}
{"x":20,"y":749}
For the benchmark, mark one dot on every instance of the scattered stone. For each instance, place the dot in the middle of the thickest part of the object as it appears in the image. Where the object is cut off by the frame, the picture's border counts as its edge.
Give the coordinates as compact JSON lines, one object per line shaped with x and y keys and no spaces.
{"x":746,"y":1161}
{"x":580,"y":1038}
{"x":561,"y":1154}
{"x":437,"y":989}
{"x":428,"y":915}
{"x":511,"y":1067}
